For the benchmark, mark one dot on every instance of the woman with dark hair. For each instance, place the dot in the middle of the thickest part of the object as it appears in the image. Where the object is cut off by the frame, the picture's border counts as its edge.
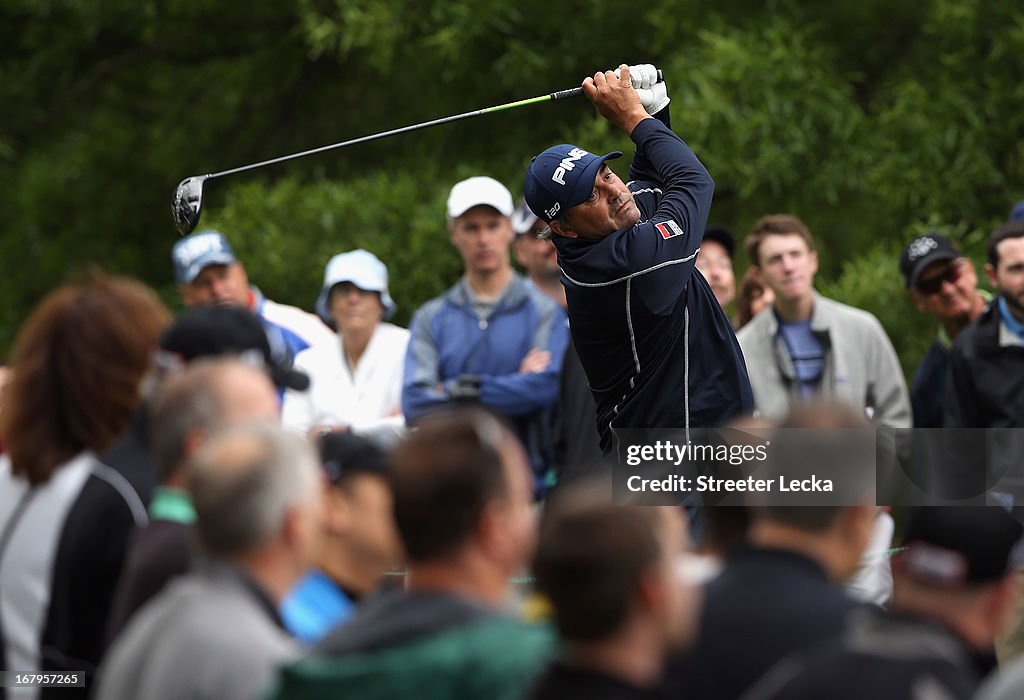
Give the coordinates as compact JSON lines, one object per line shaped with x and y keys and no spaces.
{"x":753,"y":298}
{"x":65,"y":518}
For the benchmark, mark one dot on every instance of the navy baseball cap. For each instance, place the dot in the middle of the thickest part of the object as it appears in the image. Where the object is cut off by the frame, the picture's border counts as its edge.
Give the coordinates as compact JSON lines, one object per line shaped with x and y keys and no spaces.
{"x":953,"y":546}
{"x":200,"y":250}
{"x":722,"y":236}
{"x":211,"y":331}
{"x":561,"y":178}
{"x":343,"y":454}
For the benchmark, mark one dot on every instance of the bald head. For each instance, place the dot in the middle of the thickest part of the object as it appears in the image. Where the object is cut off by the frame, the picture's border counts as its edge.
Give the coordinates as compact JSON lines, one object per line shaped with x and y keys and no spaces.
{"x":209,"y":395}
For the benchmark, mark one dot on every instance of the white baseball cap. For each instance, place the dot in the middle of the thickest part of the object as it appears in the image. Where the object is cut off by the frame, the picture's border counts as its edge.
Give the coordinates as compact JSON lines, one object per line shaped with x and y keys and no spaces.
{"x":363,"y":269}
{"x":475,"y":191}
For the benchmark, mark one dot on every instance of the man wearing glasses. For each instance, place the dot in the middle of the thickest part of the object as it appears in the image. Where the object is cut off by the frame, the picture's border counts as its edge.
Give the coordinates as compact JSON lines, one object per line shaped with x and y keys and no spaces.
{"x":942,"y":283}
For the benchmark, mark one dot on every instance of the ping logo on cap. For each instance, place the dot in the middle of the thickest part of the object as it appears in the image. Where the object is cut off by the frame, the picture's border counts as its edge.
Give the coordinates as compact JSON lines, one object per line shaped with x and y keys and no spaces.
{"x":567,"y":164}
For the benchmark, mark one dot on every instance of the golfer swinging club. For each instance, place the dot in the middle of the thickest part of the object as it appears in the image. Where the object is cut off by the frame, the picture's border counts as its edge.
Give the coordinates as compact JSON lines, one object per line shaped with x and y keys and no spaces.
{"x":657,"y":348}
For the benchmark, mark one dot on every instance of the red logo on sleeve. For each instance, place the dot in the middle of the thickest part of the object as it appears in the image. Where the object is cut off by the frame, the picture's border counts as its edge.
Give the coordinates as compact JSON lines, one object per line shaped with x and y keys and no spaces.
{"x":669,"y":228}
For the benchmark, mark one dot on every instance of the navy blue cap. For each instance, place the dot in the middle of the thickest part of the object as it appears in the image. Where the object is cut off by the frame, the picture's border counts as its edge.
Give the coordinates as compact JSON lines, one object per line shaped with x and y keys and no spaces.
{"x":561,"y":178}
{"x":922,"y":252}
{"x":1017,"y":213}
{"x":343,"y":454}
{"x":210,"y":331}
{"x":958,"y":545}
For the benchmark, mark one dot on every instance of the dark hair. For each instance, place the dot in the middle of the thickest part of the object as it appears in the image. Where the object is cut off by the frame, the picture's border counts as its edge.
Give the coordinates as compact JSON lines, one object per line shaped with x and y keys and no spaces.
{"x":444,"y":474}
{"x":590,"y":557}
{"x":751,"y":289}
{"x":833,"y":436}
{"x":546,"y":233}
{"x":78,"y":361}
{"x":1012,"y":229}
{"x":775,"y":225}
{"x":726,"y":528}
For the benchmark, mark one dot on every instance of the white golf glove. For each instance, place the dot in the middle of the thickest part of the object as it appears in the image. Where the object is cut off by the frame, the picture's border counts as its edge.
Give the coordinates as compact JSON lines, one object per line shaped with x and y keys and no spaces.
{"x":643,"y":76}
{"x":653,"y":95}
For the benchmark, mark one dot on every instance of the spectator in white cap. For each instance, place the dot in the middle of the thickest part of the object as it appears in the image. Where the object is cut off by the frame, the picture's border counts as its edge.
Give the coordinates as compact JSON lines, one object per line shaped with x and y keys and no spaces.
{"x":355,"y":380}
{"x":493,"y":338}
{"x":208,"y":273}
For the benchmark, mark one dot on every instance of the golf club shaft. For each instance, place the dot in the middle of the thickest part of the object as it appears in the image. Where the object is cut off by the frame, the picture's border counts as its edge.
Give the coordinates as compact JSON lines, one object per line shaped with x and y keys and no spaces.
{"x":553,"y":97}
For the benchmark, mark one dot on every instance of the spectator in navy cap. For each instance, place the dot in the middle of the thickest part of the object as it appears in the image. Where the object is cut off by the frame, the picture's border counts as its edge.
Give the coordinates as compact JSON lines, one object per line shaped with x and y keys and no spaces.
{"x":208,"y":273}
{"x":953,"y":595}
{"x":942,"y":283}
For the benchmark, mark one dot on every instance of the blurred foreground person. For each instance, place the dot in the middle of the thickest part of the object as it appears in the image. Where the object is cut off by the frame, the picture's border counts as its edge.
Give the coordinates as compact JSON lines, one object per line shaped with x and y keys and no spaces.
{"x":782,"y":591}
{"x":205,"y":331}
{"x":65,"y":517}
{"x":953,"y":594}
{"x":612,"y":575}
{"x":215,"y":634}
{"x":207,"y":396}
{"x":358,"y":541}
{"x":463,"y":506}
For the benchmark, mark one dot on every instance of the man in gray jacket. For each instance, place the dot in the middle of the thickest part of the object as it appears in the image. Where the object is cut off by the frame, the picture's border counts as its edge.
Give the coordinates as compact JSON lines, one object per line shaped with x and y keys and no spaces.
{"x":807,"y":345}
{"x":216,"y":633}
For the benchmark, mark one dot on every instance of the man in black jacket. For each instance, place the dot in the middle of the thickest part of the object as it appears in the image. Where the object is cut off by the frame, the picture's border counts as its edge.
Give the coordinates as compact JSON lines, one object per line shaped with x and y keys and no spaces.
{"x":954,"y":593}
{"x":987,"y":361}
{"x":985,"y":388}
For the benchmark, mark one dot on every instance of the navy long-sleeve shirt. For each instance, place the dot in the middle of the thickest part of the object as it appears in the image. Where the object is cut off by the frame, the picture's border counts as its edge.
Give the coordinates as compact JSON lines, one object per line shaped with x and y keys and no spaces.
{"x":657,"y":348}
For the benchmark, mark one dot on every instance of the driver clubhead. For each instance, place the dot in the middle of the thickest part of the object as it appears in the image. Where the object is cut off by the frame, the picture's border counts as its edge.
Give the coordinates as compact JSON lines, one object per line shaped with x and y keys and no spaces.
{"x":188,"y":199}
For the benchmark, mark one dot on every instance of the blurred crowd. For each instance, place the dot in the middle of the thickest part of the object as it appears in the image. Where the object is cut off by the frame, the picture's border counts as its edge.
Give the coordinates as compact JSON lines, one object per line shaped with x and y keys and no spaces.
{"x":252,"y":500}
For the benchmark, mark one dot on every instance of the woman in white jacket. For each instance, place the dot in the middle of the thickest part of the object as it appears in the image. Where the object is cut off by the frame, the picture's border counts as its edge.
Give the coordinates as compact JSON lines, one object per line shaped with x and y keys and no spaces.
{"x":355,"y":383}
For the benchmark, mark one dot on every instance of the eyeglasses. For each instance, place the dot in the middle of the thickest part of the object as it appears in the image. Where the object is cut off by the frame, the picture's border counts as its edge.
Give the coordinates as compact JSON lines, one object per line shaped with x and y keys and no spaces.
{"x":933,"y":284}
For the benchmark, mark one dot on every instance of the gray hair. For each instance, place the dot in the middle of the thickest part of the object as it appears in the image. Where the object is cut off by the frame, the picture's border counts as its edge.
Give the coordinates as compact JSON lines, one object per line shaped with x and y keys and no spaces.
{"x":244,"y":481}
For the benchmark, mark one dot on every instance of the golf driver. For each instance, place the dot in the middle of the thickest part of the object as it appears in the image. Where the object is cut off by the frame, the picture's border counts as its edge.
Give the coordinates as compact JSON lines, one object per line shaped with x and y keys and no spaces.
{"x":188,"y":197}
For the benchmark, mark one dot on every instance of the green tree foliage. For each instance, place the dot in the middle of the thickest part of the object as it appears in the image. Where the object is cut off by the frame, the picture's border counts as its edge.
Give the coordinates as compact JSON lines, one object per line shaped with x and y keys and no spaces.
{"x":872,"y":121}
